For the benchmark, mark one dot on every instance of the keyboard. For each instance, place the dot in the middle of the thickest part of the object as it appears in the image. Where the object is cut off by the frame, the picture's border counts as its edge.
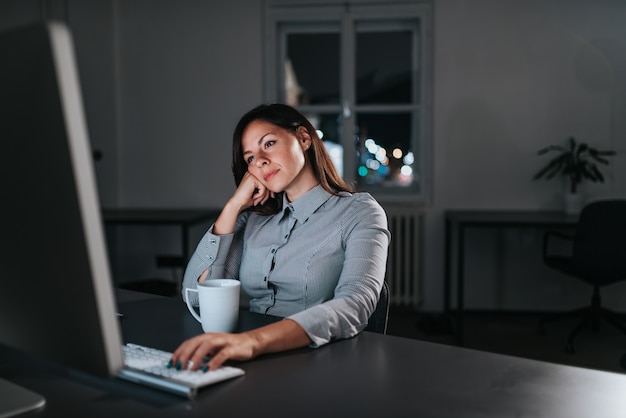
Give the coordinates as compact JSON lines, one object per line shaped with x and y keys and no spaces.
{"x":148,"y":366}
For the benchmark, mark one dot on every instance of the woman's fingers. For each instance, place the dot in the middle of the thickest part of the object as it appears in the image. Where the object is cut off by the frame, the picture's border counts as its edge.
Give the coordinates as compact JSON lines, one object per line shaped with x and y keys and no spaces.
{"x":181,"y":356}
{"x":251,"y":191}
{"x":218,"y":359}
{"x":261,"y":195}
{"x":238,"y":347}
{"x":220,"y":347}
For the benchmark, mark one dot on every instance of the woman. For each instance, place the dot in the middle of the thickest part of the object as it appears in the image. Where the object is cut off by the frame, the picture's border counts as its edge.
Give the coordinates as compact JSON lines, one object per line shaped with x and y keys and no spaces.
{"x":303,"y":245}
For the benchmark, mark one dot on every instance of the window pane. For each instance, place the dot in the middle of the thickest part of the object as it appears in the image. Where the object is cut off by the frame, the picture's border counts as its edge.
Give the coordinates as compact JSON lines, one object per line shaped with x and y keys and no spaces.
{"x":383,"y":67}
{"x":384,"y":150}
{"x":312,"y":69}
{"x":328,"y":127}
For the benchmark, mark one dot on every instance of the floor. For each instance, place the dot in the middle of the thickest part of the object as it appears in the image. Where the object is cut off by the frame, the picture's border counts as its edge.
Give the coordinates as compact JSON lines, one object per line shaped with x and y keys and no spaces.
{"x":517,"y":334}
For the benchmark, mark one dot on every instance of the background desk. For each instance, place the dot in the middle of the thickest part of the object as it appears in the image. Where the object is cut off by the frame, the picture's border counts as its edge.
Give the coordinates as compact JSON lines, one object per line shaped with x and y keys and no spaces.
{"x":457,"y":221}
{"x":371,"y":375}
{"x":185,"y":218}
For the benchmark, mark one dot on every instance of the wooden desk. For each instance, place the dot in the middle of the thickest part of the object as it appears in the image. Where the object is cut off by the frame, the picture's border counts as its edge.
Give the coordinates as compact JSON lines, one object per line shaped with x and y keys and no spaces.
{"x":371,"y":375}
{"x":458,"y":221}
{"x":185,"y":218}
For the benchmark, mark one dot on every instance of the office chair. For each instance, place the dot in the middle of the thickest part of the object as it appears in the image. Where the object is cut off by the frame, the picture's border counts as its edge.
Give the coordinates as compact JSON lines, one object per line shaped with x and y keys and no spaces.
{"x":598,"y":257}
{"x":379,"y":318}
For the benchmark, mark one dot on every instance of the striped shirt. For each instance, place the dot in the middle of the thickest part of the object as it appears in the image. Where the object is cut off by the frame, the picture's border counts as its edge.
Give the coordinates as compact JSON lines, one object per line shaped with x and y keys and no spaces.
{"x":320,"y":261}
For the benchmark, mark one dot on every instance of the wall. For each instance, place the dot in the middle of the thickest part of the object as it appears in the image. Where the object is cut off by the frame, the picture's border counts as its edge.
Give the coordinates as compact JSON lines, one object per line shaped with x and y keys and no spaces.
{"x":166,"y":81}
{"x":93,"y":23}
{"x":188,"y":70}
{"x":513,"y":77}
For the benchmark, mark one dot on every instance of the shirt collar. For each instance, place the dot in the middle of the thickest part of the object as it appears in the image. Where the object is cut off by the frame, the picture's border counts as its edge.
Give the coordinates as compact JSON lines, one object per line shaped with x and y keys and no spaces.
{"x":307,"y":204}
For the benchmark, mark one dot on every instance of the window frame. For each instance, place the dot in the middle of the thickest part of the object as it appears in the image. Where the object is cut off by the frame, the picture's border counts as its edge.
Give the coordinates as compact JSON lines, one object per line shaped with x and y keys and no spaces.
{"x":347,"y":16}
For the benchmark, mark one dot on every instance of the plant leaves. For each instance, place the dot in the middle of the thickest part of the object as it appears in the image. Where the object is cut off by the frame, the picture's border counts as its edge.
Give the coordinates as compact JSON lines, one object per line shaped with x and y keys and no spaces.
{"x":551,"y":148}
{"x":576,"y":160}
{"x":598,"y":174}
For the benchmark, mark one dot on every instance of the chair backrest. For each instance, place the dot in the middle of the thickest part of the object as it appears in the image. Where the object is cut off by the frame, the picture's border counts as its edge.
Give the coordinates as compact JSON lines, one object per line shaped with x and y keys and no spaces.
{"x":379,"y":318}
{"x":599,"y":248}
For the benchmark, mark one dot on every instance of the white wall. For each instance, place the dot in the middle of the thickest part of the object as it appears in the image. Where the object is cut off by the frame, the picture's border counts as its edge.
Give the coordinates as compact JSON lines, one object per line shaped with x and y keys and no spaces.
{"x":510,"y":78}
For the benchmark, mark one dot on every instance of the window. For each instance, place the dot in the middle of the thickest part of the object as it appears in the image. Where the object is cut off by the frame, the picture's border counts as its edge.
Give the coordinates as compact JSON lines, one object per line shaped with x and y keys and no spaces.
{"x":362,"y":74}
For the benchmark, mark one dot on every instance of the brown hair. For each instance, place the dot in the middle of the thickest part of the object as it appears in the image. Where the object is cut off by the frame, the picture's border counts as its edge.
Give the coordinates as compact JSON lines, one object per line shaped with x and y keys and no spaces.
{"x":290,"y":119}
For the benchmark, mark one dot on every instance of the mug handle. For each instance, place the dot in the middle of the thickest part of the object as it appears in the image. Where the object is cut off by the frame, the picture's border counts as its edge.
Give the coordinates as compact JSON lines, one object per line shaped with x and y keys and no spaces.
{"x":191,"y":309}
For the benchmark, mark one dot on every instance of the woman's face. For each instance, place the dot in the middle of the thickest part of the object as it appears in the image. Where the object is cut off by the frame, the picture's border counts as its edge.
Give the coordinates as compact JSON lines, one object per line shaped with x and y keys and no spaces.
{"x":276,"y":157}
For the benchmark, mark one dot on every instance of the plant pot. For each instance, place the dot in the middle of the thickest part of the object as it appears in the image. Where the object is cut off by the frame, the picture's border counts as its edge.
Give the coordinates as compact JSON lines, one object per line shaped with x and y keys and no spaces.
{"x":573,"y":203}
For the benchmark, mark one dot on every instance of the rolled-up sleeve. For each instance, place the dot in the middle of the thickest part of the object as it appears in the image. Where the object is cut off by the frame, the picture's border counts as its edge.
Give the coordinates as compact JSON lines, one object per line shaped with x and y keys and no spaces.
{"x":366,"y":241}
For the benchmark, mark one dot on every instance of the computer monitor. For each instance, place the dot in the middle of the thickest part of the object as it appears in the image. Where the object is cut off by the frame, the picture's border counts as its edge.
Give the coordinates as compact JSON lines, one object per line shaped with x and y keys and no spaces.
{"x":56,"y":292}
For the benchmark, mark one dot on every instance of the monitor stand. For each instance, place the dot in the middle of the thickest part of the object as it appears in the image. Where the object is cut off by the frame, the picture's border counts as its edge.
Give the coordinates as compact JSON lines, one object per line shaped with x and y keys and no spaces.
{"x":17,"y":400}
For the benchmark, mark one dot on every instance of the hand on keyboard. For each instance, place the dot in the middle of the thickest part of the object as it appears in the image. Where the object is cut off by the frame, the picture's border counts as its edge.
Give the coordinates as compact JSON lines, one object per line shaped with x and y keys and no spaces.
{"x":158,"y":363}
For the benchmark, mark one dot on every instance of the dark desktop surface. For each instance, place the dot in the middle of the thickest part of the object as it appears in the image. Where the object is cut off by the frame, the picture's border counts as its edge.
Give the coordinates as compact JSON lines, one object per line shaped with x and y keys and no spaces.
{"x":368,"y":375}
{"x":165,"y":322}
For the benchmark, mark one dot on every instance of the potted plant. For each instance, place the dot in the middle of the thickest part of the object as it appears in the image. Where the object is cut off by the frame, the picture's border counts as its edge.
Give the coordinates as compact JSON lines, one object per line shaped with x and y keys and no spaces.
{"x":577,"y":162}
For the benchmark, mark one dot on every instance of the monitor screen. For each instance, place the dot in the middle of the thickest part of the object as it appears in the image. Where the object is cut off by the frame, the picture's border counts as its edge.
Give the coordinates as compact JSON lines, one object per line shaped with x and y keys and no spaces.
{"x":56,"y":293}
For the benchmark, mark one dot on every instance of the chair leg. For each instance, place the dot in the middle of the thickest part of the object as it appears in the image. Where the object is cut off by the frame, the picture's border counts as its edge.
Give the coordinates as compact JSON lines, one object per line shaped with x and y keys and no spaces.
{"x":555,"y":317}
{"x":587,"y":316}
{"x":595,"y":309}
{"x":592,"y":314}
{"x":613,"y":319}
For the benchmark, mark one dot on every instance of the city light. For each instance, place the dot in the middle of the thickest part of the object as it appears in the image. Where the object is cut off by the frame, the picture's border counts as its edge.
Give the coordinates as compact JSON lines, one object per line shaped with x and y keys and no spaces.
{"x":376,"y":167}
{"x":371,"y":146}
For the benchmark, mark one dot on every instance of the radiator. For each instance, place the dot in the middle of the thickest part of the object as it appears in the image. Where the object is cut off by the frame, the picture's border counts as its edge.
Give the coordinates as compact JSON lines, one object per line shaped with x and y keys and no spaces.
{"x":404,"y":263}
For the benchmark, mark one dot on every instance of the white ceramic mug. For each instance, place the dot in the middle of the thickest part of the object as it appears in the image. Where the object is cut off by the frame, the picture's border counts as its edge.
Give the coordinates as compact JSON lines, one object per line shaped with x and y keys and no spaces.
{"x":219,"y":304}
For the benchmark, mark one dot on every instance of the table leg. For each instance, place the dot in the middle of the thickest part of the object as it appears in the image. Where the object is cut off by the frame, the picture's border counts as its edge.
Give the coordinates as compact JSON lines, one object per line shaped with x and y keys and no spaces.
{"x":460,"y":285}
{"x":185,"y":256}
{"x":185,"y":239}
{"x":447,"y":289}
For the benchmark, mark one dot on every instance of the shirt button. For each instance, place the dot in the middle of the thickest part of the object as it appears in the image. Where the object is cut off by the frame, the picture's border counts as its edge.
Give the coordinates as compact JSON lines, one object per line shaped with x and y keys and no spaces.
{"x":211,"y":257}
{"x":273,"y":250}
{"x":286,"y":235}
{"x":213,"y":241}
